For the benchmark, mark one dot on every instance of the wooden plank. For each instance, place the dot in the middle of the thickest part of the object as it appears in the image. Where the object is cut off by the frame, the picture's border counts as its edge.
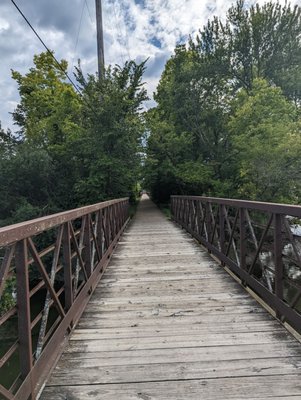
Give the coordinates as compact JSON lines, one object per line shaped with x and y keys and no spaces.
{"x":151,"y":331}
{"x":87,"y":321}
{"x":171,"y":313}
{"x":143,"y":343}
{"x":156,"y":356}
{"x":91,"y":371}
{"x":259,"y":387}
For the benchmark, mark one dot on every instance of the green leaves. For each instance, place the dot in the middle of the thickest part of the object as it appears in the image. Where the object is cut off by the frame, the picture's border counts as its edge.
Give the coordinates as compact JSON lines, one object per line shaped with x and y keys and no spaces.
{"x":113,"y":130}
{"x":228,"y":118}
{"x":75,"y":149}
{"x":267,"y":138}
{"x":48,"y":104}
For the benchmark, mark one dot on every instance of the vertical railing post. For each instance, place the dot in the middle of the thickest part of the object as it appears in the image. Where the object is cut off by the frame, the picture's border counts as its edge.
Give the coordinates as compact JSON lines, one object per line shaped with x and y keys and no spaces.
{"x":120,"y":219}
{"x":185,"y":208}
{"x":198,"y":216}
{"x":23,"y":303}
{"x":110,"y":215}
{"x":189,"y":213}
{"x":100,"y":234}
{"x":123,"y":212}
{"x":222,"y":227}
{"x":278,"y":259}
{"x":208,"y":222}
{"x":126,"y":210}
{"x":193,"y":215}
{"x":171,"y":207}
{"x":117,"y":217}
{"x":113,"y":219}
{"x":242,"y":238}
{"x":86,"y":253}
{"x":67,"y":266}
{"x":181,"y":211}
{"x":176,"y":215}
{"x":106,"y":228}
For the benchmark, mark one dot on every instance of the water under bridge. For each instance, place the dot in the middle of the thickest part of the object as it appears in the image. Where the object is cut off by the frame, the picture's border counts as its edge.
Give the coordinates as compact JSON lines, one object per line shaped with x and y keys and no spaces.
{"x":211,"y":311}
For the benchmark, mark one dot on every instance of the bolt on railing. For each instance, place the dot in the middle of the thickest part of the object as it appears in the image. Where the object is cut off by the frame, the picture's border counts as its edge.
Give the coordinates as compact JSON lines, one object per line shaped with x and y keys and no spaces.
{"x":49,"y":268}
{"x":259,"y":242}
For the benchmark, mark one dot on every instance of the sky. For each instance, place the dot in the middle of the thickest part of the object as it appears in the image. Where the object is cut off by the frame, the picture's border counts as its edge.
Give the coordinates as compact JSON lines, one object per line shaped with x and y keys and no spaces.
{"x":133,"y":29}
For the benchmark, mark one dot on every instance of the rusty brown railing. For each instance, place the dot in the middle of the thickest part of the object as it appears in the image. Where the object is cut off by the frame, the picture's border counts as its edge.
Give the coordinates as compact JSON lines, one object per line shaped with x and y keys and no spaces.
{"x":259,"y":242}
{"x":49,"y":268}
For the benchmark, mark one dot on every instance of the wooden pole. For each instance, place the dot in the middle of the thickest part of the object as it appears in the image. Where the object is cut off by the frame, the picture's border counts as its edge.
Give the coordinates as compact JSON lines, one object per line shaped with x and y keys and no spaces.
{"x":100,"y":42}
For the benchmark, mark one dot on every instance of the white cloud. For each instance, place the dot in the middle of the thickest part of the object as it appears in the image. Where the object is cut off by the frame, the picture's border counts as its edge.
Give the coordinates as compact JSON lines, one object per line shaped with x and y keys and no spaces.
{"x":133,"y":29}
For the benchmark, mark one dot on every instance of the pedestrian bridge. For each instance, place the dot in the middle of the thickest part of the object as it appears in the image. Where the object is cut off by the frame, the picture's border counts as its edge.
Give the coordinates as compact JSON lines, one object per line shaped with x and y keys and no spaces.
{"x":211,"y":311}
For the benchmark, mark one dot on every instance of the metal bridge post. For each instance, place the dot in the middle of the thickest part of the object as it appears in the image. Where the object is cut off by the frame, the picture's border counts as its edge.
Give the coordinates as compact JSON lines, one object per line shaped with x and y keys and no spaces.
{"x":23,"y":303}
{"x":67,"y":267}
{"x":222,"y":227}
{"x":278,"y":259}
{"x":242,"y":238}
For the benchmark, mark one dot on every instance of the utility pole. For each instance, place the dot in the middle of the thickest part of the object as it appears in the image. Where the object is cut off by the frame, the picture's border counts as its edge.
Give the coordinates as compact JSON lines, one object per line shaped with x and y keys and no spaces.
{"x":100,"y":45}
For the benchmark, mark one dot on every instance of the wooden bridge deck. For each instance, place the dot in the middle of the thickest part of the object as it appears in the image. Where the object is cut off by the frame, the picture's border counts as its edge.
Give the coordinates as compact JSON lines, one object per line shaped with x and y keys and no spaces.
{"x":166,"y":322}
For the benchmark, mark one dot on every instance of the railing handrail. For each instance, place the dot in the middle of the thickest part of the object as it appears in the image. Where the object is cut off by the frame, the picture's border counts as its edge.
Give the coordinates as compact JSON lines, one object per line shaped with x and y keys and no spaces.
{"x":22,"y":230}
{"x":276,"y":208}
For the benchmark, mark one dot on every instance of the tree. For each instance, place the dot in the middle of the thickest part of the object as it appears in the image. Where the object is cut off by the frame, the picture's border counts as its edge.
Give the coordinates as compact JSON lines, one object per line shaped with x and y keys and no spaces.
{"x":49,"y":118}
{"x":189,"y":127}
{"x":49,"y":110}
{"x":266,"y":134}
{"x":197,"y":96}
{"x":26,"y":179}
{"x":256,"y":42}
{"x":113,"y":126}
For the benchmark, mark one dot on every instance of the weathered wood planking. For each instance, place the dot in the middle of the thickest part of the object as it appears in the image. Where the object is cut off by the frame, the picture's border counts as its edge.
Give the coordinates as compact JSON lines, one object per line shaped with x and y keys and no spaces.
{"x":166,"y":322}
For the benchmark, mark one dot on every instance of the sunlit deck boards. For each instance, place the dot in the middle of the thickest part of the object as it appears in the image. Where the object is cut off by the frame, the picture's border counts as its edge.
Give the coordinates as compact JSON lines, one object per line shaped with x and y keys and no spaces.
{"x":166,"y":322}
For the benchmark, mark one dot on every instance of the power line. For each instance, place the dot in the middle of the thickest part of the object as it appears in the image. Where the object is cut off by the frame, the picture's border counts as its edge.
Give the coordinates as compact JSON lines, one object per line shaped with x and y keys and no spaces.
{"x":89,"y":12}
{"x":48,"y":50}
{"x":78,"y":32}
{"x":56,"y":61}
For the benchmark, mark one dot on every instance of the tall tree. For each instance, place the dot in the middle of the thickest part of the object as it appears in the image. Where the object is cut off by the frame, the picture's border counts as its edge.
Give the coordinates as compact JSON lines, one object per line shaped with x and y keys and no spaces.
{"x":266,"y":136}
{"x":113,"y":128}
{"x":198,"y":90}
{"x":49,"y":118}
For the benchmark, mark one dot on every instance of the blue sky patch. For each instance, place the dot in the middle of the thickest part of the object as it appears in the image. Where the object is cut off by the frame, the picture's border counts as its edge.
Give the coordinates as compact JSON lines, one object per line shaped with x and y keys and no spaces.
{"x":156,"y":42}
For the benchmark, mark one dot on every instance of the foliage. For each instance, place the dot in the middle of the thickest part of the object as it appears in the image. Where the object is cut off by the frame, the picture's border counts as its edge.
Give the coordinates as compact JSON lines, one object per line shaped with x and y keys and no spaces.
{"x":260,"y":41}
{"x":25,"y":184}
{"x":49,"y":110}
{"x":8,"y":300}
{"x":226,"y":123}
{"x":71,"y":149}
{"x":267,"y":137}
{"x":49,"y":117}
{"x":111,"y":146}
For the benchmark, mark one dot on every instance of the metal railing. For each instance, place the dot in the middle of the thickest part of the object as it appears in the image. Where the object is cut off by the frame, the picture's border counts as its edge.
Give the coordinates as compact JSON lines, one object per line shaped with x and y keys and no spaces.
{"x":259,"y":242}
{"x":49,"y":267}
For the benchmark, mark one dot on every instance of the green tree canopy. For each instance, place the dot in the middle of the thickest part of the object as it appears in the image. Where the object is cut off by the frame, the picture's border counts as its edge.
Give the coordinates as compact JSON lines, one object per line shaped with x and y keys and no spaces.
{"x":267,"y":140}
{"x":198,"y":123}
{"x":113,"y":127}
